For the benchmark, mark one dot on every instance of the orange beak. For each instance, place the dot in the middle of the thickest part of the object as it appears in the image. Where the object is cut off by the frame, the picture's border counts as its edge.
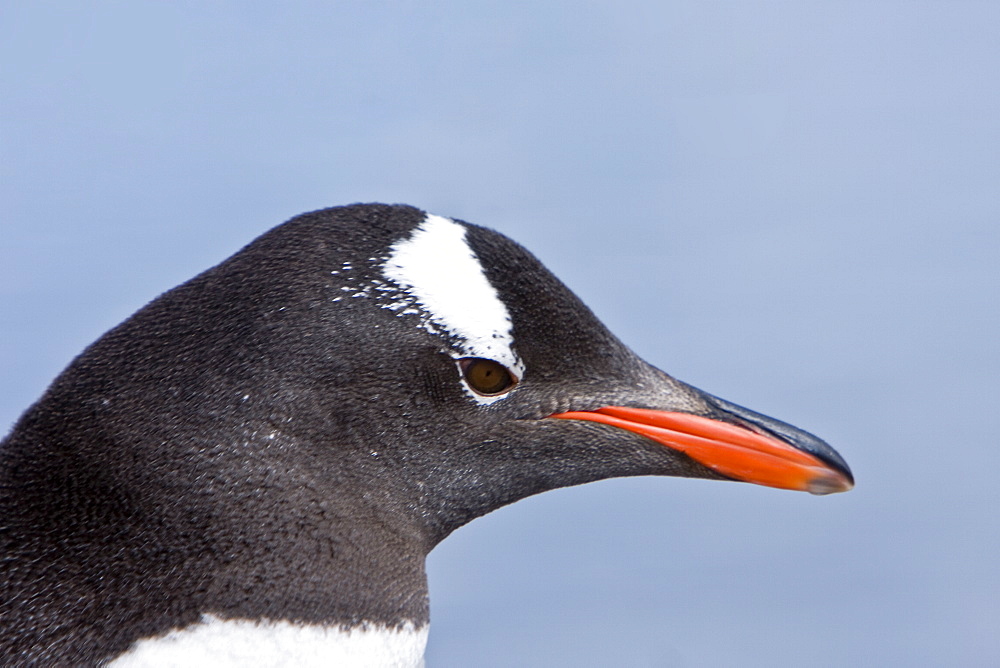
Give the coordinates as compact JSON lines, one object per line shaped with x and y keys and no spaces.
{"x":741,"y":453}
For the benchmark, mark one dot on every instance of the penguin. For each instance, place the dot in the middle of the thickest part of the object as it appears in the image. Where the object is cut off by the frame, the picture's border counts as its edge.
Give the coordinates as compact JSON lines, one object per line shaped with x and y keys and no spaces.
{"x":252,"y":469}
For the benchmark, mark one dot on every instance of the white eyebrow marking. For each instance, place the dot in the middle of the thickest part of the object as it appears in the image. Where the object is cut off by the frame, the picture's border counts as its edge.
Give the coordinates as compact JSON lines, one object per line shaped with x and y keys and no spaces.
{"x":438,"y":272}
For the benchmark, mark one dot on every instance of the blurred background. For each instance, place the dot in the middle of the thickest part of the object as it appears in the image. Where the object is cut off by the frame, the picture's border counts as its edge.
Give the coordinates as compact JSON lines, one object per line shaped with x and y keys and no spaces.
{"x":793,"y":205}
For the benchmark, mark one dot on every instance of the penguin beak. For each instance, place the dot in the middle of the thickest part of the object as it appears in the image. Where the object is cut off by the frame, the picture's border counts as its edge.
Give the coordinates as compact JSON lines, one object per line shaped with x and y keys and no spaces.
{"x":744,"y":446}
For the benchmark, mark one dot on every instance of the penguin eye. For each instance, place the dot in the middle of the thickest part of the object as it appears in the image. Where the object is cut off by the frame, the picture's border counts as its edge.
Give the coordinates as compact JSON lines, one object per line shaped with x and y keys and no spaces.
{"x":486,"y":376}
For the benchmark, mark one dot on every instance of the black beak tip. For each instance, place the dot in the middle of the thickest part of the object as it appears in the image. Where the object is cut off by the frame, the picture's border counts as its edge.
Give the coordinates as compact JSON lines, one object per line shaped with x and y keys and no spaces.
{"x":800,"y":439}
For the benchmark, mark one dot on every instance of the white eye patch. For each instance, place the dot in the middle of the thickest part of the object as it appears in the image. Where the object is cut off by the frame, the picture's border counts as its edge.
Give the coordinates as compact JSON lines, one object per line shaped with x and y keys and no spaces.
{"x":438,"y":273}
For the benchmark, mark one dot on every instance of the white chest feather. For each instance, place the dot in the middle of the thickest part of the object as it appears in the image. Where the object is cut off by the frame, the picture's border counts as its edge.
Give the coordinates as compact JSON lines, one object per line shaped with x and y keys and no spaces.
{"x":223,"y":643}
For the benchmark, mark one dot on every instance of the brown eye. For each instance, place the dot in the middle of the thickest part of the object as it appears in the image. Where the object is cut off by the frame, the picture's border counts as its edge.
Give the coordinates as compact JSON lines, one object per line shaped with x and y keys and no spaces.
{"x":486,"y":376}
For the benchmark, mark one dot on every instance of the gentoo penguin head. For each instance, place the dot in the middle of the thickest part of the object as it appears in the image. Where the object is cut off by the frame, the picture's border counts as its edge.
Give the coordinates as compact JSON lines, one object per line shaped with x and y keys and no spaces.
{"x":432,"y":362}
{"x":287,"y":435}
{"x":400,"y":349}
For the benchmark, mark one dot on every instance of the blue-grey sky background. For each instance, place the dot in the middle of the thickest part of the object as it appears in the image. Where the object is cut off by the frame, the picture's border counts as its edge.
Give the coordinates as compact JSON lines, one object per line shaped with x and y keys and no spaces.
{"x":793,"y":205}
